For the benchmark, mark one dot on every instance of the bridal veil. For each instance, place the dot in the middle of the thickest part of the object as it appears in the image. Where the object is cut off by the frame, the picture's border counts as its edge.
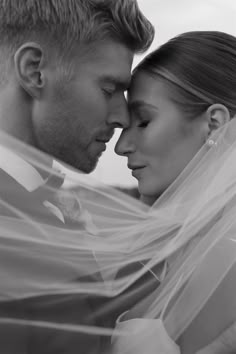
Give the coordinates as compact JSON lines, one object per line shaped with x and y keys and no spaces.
{"x":71,"y":235}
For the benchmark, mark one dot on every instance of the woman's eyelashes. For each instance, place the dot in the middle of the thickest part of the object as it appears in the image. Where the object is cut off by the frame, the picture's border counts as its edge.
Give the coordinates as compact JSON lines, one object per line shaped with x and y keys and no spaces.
{"x":142,"y":120}
{"x":143,"y":124}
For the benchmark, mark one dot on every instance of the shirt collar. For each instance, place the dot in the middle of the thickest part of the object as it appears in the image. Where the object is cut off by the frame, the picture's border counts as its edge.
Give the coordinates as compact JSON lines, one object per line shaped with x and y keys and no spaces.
{"x":22,"y":171}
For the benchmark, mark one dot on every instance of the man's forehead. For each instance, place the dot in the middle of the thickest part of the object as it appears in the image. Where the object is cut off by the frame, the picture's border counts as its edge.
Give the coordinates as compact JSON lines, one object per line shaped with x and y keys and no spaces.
{"x":112,"y":57}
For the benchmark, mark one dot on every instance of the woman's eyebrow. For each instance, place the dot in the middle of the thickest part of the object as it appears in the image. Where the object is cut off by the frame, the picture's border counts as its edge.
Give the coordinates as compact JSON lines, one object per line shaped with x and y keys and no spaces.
{"x":135,"y":105}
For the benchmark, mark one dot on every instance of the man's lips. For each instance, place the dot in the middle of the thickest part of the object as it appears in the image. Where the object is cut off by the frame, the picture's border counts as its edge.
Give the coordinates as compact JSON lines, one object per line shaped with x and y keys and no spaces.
{"x":102,"y":145}
{"x":105,"y":138}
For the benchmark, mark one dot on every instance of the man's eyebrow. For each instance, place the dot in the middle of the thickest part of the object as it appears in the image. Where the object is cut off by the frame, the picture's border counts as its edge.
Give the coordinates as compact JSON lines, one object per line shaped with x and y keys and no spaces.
{"x":117,"y":81}
{"x":135,"y":105}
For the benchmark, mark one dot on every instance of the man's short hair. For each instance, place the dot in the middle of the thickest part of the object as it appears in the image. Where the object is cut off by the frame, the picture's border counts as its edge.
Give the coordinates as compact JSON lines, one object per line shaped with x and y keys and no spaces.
{"x":62,"y":22}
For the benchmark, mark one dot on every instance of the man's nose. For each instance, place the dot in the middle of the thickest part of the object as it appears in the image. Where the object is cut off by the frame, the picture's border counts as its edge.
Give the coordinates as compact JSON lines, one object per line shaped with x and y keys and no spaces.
{"x":119,"y":114}
{"x":125,"y":144}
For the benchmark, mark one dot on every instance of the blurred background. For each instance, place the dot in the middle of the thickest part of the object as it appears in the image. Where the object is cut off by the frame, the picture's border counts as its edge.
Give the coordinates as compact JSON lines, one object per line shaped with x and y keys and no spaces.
{"x":170,"y":17}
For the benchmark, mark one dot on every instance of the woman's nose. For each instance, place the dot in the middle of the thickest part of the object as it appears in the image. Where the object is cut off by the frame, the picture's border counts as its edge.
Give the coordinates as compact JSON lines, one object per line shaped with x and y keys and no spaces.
{"x":125,"y":144}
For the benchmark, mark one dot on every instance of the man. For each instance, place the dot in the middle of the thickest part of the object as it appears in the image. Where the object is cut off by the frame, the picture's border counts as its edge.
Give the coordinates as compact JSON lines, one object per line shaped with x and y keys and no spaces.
{"x":67,"y":66}
{"x":64,"y":68}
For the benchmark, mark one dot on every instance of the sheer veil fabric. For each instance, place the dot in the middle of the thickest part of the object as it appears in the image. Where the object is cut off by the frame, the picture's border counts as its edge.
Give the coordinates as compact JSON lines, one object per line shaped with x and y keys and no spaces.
{"x":87,"y":241}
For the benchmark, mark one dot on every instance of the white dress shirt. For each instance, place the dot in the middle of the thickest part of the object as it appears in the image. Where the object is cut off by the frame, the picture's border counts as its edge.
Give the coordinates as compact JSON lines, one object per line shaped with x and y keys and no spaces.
{"x":27,"y":175}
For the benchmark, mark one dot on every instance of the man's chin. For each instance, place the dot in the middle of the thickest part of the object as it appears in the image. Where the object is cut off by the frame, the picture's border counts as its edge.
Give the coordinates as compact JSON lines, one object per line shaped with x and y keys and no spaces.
{"x":81,"y":162}
{"x":86,"y":166}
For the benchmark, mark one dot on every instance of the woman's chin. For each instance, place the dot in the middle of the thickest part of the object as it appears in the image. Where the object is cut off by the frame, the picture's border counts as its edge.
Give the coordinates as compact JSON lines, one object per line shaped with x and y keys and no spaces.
{"x":148,"y":199}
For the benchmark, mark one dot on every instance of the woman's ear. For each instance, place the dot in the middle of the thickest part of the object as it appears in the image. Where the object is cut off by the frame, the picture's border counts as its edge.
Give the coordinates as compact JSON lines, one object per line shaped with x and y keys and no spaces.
{"x":28,"y":61}
{"x":217,"y":115}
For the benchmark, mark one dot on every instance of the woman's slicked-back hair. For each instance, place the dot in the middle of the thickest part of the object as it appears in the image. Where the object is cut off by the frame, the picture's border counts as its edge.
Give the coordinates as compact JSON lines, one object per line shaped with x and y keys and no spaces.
{"x":66,"y":21}
{"x":199,"y":68}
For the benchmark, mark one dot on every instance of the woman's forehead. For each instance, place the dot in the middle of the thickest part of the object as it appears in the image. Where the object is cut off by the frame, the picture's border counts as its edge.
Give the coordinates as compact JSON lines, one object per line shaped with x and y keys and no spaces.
{"x":146,"y":86}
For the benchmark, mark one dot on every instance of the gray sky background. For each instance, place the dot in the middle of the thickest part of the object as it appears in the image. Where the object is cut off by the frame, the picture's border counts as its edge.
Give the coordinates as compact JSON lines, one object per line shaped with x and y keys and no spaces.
{"x":170,"y":17}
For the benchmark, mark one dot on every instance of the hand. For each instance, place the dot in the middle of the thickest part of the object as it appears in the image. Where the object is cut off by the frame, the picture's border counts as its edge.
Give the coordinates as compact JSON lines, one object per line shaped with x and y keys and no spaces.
{"x":224,"y":344}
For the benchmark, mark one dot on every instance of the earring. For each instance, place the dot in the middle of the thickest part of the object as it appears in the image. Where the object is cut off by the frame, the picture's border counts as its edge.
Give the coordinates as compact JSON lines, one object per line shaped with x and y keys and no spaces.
{"x":211,"y":143}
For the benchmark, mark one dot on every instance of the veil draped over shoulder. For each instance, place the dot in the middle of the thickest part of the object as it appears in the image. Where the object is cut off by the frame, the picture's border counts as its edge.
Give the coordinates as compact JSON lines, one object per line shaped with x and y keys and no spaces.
{"x":76,"y":254}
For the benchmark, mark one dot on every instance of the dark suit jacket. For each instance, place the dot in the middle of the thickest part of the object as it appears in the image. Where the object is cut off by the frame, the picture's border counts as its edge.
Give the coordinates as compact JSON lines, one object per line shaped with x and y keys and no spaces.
{"x":72,"y":309}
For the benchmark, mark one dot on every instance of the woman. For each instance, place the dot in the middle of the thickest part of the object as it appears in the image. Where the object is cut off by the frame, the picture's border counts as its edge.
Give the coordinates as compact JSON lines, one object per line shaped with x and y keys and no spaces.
{"x":180,"y":146}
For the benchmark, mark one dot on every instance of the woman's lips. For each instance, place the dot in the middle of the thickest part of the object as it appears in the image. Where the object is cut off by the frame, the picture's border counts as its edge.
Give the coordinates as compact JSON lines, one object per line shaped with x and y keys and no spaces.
{"x":136,"y":170}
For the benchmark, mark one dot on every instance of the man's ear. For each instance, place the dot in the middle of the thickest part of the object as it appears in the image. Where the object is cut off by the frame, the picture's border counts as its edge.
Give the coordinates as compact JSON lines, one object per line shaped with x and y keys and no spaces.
{"x":217,"y":115}
{"x":28,"y":61}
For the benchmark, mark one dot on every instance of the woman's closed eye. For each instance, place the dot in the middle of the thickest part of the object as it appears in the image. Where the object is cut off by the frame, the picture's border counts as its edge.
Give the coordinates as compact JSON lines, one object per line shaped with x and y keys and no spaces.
{"x":140,"y":118}
{"x":143,"y":123}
